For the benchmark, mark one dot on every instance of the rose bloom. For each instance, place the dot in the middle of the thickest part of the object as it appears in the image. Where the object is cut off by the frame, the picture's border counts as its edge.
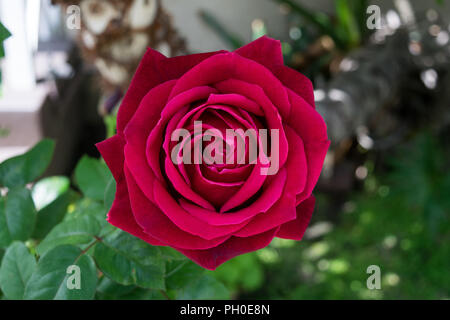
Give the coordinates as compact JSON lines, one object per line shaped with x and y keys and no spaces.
{"x":214,"y":212}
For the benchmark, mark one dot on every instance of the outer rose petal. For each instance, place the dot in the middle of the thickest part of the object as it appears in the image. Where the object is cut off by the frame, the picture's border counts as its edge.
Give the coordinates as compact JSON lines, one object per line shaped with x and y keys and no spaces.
{"x":212,"y":258}
{"x":153,"y":70}
{"x":233,"y":66}
{"x":264,"y":50}
{"x":112,"y":152}
{"x":297,"y":82}
{"x":120,"y":214}
{"x":315,"y":156}
{"x":296,"y":228}
{"x":155,"y":223}
{"x":137,"y":131}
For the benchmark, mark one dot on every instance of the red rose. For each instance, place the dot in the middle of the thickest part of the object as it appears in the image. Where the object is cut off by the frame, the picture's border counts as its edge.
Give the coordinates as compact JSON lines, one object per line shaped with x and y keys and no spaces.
{"x":212,"y":212}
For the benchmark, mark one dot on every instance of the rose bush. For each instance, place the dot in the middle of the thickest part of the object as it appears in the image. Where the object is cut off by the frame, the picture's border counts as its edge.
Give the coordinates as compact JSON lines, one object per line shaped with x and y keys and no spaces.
{"x":211,"y":213}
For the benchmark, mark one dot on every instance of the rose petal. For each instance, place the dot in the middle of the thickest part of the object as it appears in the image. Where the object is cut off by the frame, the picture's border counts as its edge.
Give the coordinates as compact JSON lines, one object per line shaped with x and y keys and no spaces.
{"x":136,"y":134}
{"x":269,"y":196}
{"x":272,"y":117}
{"x":264,"y":50}
{"x":295,"y":229}
{"x":306,"y":121}
{"x":212,"y":258}
{"x":156,"y":224}
{"x":153,"y":70}
{"x":315,"y":156}
{"x":233,"y":66}
{"x":120,"y":214}
{"x":122,"y":217}
{"x":297,"y":82}
{"x":112,"y":152}
{"x":187,"y":222}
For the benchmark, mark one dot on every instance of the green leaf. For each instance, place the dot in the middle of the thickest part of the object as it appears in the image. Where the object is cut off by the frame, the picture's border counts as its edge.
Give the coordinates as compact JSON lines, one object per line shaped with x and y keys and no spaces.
{"x":77,"y":231}
{"x":4,"y":34}
{"x":92,"y":177}
{"x":48,"y":189}
{"x":322,"y":22}
{"x":110,"y":290}
{"x":182,"y":273}
{"x":51,"y":197}
{"x":17,"y":216}
{"x":347,"y":23}
{"x":171,"y":254}
{"x":52,"y":277}
{"x":128,"y":260}
{"x":87,"y":206}
{"x":52,"y":214}
{"x":17,"y":266}
{"x":110,"y":193}
{"x":205,"y":287}
{"x":27,"y":167}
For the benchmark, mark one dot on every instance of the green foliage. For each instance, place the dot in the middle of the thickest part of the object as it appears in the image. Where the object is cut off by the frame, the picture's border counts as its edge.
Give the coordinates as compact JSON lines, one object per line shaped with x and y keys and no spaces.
{"x":17,"y":266}
{"x":51,"y":197}
{"x":48,"y":231}
{"x":110,"y":193}
{"x":17,"y":216}
{"x":92,"y":177}
{"x":128,"y":260}
{"x":20,"y":170}
{"x":49,"y":280}
{"x":399,"y":222}
{"x":231,"y":273}
{"x":4,"y":34}
{"x":205,"y":287}
{"x":75,"y":231}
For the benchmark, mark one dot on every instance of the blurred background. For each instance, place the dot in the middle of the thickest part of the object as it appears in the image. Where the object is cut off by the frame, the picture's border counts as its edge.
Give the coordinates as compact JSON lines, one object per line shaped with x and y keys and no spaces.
{"x":381,"y":75}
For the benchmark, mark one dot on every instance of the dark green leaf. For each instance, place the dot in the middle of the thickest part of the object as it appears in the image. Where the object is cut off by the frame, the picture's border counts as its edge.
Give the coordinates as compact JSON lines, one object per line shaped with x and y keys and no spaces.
{"x":171,"y":254}
{"x":4,"y":34}
{"x":52,"y":214}
{"x":181,"y":273}
{"x":205,"y":287}
{"x":110,"y":193}
{"x":17,"y":216}
{"x":26,"y":168}
{"x":86,"y":206}
{"x":52,"y":278}
{"x":110,"y":290}
{"x":113,"y":289}
{"x":17,"y":266}
{"x":92,"y":177}
{"x":347,"y":23}
{"x":128,"y":260}
{"x":77,"y":231}
{"x":322,"y":22}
